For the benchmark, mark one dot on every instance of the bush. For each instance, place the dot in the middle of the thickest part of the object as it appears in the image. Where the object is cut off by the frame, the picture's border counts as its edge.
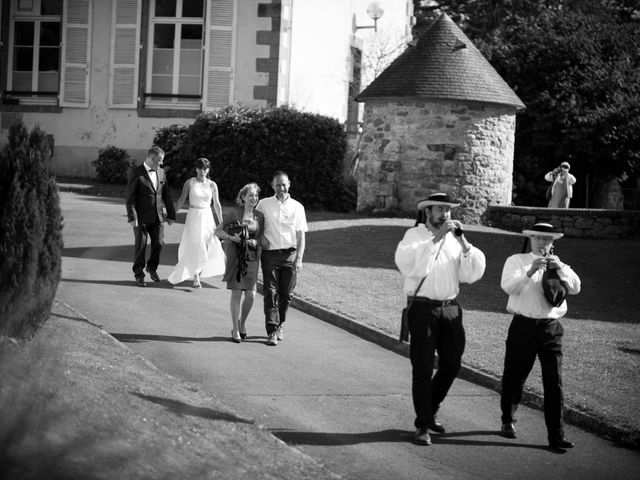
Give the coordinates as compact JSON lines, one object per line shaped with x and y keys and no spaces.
{"x":249,"y":144}
{"x":172,"y":139}
{"x":30,"y":233}
{"x":112,"y":165}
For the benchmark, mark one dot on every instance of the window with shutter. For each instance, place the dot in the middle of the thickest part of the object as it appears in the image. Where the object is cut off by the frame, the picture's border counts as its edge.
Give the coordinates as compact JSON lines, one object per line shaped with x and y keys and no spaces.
{"x":125,"y":53}
{"x":175,"y":54}
{"x":34,"y":53}
{"x":76,"y":48}
{"x":220,"y":47}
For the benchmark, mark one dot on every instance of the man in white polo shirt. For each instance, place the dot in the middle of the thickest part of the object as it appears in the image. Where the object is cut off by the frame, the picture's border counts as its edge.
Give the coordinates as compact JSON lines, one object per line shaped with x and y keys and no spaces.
{"x":283,"y":242}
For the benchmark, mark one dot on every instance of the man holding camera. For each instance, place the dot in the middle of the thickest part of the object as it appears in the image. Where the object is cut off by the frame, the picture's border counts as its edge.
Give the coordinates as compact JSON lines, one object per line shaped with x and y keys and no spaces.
{"x":435,"y":257}
{"x":561,"y":186}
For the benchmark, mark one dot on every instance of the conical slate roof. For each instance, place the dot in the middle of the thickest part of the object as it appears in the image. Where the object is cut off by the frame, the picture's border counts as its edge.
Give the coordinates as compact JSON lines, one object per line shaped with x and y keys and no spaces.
{"x":443,"y":65}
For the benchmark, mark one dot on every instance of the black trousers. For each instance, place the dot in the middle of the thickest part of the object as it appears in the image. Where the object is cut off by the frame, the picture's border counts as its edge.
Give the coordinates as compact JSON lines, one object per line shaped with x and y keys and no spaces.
{"x":279,"y":279}
{"x":155,"y":232}
{"x":528,"y":338}
{"x":433,"y":329}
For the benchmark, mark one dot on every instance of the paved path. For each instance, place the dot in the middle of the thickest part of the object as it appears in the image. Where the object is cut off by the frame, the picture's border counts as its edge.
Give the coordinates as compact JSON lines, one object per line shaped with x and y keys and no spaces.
{"x":335,"y":396}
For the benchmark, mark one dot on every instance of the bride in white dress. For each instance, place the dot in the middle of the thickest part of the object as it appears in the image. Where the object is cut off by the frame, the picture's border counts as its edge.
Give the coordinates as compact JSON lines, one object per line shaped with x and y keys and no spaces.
{"x":200,"y":253}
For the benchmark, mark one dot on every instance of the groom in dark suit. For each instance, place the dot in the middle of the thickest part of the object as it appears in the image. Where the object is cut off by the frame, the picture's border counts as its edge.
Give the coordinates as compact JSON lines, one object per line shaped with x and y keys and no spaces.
{"x":147,"y":194}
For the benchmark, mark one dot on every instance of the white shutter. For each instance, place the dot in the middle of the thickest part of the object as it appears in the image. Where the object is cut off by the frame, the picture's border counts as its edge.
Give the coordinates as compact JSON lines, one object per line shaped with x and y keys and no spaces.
{"x":76,"y":48}
{"x":219,"y":54}
{"x":125,"y":53}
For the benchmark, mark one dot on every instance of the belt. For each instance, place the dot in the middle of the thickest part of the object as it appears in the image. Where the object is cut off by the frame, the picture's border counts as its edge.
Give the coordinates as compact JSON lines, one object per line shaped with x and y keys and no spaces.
{"x":441,"y":303}
{"x":281,"y":250}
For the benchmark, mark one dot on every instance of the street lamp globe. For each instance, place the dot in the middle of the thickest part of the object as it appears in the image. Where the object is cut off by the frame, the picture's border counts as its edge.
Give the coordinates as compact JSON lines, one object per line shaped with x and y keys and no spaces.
{"x":375,"y":10}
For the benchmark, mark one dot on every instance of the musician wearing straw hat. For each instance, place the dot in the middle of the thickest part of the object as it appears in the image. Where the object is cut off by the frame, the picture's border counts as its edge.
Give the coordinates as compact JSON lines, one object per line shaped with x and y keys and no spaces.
{"x":535,"y":331}
{"x":435,"y":257}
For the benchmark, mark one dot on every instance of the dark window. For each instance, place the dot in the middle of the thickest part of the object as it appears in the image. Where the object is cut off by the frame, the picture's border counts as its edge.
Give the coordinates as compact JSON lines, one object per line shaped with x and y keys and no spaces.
{"x":51,"y":7}
{"x":165,"y":8}
{"x":193,"y":8}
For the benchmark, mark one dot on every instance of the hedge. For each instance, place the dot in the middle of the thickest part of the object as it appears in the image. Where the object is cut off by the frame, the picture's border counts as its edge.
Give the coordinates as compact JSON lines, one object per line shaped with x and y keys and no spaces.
{"x":247,"y":144}
{"x":30,"y":233}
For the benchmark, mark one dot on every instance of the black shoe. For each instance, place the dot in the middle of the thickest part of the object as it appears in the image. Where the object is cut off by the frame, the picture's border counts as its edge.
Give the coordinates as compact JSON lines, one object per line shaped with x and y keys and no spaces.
{"x":154,"y":275}
{"x":508,"y":430}
{"x":140,"y":282}
{"x":243,"y":335}
{"x":436,"y":426}
{"x":560,"y":444}
{"x":421,"y":437}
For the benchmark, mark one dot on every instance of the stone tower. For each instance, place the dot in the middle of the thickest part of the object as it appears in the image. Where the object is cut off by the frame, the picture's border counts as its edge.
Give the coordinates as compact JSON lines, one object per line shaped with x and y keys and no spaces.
{"x":438,"y":119}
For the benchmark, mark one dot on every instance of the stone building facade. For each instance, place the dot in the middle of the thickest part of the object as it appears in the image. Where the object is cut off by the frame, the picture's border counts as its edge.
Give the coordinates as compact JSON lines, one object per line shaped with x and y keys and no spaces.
{"x":438,"y":119}
{"x":411,"y":148}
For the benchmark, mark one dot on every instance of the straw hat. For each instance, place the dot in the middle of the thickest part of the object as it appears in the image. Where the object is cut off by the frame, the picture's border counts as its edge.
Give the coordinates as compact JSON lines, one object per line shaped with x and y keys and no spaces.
{"x":437,"y":199}
{"x":542,"y":230}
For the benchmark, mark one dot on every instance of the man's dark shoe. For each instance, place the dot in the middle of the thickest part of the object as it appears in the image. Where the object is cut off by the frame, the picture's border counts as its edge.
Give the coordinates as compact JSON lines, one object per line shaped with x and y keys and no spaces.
{"x":436,"y":426}
{"x":421,"y":437}
{"x":508,"y":430}
{"x":154,"y":275}
{"x":560,"y":444}
{"x":140,"y":282}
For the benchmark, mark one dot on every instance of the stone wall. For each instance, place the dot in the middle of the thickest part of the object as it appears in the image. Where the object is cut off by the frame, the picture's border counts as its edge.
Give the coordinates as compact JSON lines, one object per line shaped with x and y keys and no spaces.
{"x":412,"y":148}
{"x":574,"y":222}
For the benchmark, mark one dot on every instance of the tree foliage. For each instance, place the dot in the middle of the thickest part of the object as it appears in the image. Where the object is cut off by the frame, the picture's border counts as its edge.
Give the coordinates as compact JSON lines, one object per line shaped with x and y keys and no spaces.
{"x":575,"y":65}
{"x":30,"y":233}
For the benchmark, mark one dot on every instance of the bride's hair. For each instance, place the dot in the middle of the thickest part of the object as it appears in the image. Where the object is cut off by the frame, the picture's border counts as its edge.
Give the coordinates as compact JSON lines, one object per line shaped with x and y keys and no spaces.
{"x":244,"y":190}
{"x":203,"y":163}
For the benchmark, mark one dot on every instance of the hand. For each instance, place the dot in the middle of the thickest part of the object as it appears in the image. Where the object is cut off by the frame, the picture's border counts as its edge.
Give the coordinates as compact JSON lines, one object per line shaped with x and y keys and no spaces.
{"x":298,"y":264}
{"x":235,"y":238}
{"x":553,"y":262}
{"x":253,"y":243}
{"x":133,"y":223}
{"x":169,"y":221}
{"x":538,"y":264}
{"x":448,"y":226}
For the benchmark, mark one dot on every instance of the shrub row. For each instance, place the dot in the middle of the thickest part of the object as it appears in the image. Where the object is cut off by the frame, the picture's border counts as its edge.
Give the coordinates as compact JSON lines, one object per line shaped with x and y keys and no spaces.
{"x":249,"y":144}
{"x":30,"y":233}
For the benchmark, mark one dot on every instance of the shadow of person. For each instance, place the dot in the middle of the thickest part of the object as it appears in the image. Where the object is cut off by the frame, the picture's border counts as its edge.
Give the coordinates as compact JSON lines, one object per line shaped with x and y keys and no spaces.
{"x":456,"y":438}
{"x":182,"y":408}
{"x":144,"y":337}
{"x":292,"y":437}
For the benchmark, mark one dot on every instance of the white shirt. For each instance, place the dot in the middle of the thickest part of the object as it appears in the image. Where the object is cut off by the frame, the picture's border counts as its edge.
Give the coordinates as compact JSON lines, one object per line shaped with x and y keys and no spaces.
{"x":281,"y":221}
{"x":153,"y":175}
{"x":525,"y":294}
{"x":569,"y":180}
{"x":416,"y":256}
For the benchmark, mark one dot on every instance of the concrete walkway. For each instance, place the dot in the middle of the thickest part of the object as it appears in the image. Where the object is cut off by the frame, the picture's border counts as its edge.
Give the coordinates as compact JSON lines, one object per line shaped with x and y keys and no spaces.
{"x":335,"y":396}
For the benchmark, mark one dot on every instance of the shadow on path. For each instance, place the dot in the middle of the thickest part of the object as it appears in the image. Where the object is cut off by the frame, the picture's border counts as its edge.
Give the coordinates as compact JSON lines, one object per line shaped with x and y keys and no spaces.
{"x":150,"y":284}
{"x":120,"y":253}
{"x":385,"y":436}
{"x":182,"y":408}
{"x":292,"y":437}
{"x":144,"y":337}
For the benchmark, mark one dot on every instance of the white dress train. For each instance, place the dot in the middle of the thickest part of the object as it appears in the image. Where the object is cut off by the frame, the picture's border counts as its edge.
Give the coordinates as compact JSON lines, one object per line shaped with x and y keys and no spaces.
{"x":200,"y":249}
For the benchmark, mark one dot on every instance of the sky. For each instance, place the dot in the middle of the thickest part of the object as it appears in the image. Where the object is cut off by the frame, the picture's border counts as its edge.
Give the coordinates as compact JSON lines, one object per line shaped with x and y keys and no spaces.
{"x":320,"y":53}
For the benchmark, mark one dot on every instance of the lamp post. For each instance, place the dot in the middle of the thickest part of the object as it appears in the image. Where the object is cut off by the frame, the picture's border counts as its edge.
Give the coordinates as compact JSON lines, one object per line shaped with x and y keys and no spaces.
{"x":375,"y":10}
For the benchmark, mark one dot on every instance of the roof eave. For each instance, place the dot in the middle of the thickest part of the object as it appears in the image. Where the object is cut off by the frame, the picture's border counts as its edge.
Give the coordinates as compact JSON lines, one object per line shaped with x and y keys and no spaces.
{"x":518,"y":105}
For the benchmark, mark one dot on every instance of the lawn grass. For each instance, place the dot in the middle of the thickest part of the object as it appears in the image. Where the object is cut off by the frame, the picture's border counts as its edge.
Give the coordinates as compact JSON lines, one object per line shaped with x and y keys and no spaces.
{"x":349,"y":269}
